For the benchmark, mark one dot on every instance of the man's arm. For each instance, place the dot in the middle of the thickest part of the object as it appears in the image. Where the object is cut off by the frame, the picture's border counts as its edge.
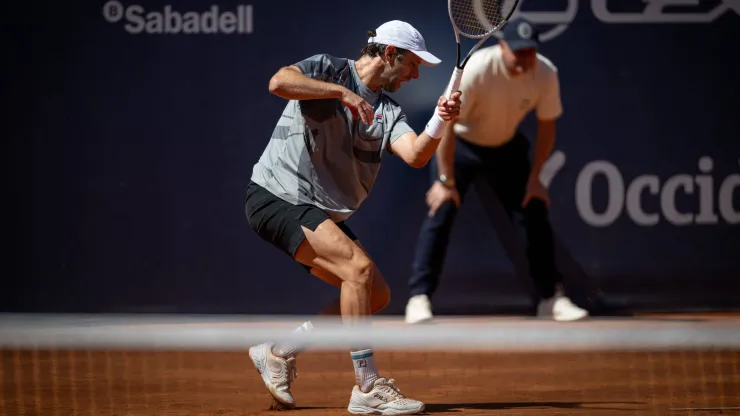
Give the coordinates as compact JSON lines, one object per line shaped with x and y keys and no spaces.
{"x":446,"y":153}
{"x":305,"y":81}
{"x":472,"y":82}
{"x":416,"y":150}
{"x":543,"y":145}
{"x":290,"y":83}
{"x":548,"y":110}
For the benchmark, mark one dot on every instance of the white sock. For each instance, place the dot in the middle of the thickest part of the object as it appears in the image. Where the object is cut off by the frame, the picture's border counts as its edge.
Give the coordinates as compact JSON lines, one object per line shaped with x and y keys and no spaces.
{"x":365,"y":371}
{"x":290,"y":349}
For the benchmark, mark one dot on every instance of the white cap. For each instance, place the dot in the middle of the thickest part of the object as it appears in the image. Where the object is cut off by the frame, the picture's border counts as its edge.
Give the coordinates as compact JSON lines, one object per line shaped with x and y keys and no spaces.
{"x":403,"y":35}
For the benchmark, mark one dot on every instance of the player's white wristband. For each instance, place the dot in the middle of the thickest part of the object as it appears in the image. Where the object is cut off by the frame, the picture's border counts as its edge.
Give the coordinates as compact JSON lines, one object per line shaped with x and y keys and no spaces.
{"x":436,"y":126}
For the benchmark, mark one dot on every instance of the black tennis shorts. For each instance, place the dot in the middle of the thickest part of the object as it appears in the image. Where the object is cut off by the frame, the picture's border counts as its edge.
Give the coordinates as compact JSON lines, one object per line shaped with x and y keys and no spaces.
{"x":279,"y":222}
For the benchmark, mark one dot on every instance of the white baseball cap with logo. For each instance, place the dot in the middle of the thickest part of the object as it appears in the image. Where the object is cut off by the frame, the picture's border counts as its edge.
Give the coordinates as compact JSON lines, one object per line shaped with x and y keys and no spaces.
{"x":403,"y":35}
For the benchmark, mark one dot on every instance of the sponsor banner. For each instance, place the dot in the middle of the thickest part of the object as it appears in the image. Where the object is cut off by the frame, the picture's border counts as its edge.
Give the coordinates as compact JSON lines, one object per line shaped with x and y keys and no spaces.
{"x":135,"y":125}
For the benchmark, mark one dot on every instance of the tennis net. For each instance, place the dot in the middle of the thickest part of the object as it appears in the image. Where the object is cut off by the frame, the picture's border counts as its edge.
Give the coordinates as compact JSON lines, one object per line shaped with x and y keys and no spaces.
{"x":198,"y":365}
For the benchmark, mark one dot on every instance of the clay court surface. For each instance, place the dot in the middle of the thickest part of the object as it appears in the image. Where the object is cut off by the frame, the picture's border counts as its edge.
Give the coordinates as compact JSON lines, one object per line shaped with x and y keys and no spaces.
{"x":127,"y":382}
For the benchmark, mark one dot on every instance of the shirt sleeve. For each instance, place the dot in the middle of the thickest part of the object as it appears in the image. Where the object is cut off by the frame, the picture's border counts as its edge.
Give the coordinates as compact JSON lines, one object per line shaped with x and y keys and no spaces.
{"x":322,"y":67}
{"x":400,"y":127}
{"x":550,"y":106}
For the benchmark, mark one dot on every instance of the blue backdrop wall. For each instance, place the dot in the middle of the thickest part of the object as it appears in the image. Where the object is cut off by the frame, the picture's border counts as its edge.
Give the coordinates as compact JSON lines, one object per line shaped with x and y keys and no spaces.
{"x":133,"y":128}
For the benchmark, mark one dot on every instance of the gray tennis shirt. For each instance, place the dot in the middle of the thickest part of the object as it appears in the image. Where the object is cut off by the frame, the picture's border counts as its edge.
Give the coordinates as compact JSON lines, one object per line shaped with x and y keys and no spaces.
{"x":318,"y":154}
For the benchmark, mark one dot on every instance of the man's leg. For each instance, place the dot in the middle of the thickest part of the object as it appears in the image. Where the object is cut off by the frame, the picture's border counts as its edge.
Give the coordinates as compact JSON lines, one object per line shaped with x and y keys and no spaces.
{"x":308,"y":236}
{"x":542,"y":266}
{"x":329,"y":249}
{"x":541,"y":248}
{"x":324,"y":246}
{"x":334,"y":257}
{"x":380,"y":294}
{"x":431,"y":250}
{"x":379,"y":297}
{"x":508,"y":175}
{"x":311,"y":238}
{"x":434,"y":236}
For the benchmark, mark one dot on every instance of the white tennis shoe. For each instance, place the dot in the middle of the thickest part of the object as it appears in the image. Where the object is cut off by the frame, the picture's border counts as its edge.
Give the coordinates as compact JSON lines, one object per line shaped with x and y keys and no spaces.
{"x":278,"y":373}
{"x":560,"y":308}
{"x":418,"y":310}
{"x":384,"y":399}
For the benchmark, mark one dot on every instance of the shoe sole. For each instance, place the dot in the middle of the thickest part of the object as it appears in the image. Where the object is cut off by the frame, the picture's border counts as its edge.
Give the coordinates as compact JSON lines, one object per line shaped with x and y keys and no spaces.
{"x":551,"y":317}
{"x":256,"y":361}
{"x":421,"y":320}
{"x":578,"y":318}
{"x":363,"y":410}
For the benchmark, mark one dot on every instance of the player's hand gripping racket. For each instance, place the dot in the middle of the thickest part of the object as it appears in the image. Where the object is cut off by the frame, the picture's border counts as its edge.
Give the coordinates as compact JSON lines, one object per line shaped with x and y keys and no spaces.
{"x":475,"y":19}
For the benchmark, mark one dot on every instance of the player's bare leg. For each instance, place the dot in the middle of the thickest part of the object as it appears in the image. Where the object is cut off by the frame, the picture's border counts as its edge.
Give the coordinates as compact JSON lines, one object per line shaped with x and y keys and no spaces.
{"x":342,"y":259}
{"x":379,"y":298}
{"x":325,"y":249}
{"x":380,"y":293}
{"x":282,"y":355}
{"x":329,"y":249}
{"x":339,"y":261}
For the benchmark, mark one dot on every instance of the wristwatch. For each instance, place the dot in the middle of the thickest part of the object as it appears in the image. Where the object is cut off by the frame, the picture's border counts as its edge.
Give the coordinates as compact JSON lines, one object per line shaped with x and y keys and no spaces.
{"x":448,"y":182}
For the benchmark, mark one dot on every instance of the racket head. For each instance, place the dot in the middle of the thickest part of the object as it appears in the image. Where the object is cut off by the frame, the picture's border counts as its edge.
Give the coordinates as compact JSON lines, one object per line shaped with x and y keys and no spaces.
{"x":477,"y":19}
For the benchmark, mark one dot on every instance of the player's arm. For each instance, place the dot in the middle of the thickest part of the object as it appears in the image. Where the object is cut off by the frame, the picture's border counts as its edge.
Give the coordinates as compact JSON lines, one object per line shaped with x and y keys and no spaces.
{"x":312,"y":79}
{"x":548,"y":111}
{"x":290,"y":83}
{"x":416,"y":150}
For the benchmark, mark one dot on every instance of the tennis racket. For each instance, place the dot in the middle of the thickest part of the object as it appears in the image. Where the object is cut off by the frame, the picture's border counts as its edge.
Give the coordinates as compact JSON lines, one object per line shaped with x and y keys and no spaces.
{"x":478,"y":20}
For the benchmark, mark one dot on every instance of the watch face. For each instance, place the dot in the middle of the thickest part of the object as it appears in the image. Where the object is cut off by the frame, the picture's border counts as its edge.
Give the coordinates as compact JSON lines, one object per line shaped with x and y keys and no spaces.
{"x":443,"y":178}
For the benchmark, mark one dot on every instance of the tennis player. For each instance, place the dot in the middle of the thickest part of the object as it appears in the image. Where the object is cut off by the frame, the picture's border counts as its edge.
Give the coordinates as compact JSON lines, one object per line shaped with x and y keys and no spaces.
{"x":318,"y":168}
{"x":501,"y":85}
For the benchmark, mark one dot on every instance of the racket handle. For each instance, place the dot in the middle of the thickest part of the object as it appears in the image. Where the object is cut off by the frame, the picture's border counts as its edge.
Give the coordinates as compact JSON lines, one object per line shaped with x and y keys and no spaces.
{"x":436,"y":125}
{"x":454,"y":82}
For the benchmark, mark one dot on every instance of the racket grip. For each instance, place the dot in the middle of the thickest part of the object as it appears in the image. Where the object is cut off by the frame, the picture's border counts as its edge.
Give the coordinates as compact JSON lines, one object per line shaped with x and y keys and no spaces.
{"x":454,"y":82}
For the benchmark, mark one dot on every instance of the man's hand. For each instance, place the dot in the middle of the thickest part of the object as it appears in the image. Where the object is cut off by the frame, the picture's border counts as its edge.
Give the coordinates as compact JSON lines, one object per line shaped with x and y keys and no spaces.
{"x":535,"y":189}
{"x":449,"y":109}
{"x":358,"y":107}
{"x":438,"y":194}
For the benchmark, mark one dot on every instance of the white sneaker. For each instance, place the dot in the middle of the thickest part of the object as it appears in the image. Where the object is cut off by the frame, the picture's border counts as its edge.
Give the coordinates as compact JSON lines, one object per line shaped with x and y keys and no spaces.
{"x":560,"y":308}
{"x":418,"y":309}
{"x":277,"y":373}
{"x":384,"y":399}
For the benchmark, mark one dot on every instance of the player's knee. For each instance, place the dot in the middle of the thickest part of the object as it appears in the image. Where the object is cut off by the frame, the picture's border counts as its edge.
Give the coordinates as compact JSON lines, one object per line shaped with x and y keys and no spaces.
{"x":361,"y":270}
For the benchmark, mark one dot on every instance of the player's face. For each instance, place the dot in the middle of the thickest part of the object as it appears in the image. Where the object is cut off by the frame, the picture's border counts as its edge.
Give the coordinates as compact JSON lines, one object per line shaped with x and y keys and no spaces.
{"x":520,"y":61}
{"x":399,"y":71}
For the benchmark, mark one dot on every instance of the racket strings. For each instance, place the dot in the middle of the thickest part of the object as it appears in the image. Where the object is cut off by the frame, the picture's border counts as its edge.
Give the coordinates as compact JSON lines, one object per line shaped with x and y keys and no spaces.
{"x":476,"y":18}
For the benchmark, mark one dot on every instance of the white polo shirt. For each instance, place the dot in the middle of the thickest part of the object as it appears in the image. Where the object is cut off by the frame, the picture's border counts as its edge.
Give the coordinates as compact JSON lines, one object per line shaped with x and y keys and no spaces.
{"x":494,"y":103}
